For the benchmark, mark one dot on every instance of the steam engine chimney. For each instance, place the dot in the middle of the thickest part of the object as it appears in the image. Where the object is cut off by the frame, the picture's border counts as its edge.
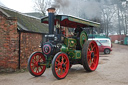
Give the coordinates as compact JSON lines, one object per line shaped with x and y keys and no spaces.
{"x":51,"y":12}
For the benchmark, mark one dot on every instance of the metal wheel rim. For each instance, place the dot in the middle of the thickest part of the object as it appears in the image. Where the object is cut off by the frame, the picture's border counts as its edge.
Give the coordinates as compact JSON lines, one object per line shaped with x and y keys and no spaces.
{"x":93,"y":62}
{"x":61,"y":71}
{"x":35,"y":68}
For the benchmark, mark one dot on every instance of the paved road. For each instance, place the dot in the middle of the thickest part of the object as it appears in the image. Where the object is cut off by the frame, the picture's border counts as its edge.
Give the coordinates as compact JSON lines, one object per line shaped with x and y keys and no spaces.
{"x":112,"y":70}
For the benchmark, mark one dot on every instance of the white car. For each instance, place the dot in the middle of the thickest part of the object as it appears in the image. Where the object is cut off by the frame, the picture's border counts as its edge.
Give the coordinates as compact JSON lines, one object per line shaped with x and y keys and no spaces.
{"x":104,"y":41}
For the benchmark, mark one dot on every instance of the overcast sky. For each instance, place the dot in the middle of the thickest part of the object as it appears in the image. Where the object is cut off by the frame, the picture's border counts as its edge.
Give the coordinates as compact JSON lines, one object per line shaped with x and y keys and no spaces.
{"x":19,"y":5}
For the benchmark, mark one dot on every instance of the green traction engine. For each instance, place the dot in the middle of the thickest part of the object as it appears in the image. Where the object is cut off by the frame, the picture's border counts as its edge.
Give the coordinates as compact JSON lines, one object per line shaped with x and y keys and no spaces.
{"x":66,"y":45}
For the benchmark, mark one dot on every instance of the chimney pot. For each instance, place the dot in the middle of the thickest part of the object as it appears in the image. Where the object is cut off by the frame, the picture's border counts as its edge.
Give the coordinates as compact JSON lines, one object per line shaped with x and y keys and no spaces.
{"x":51,"y":10}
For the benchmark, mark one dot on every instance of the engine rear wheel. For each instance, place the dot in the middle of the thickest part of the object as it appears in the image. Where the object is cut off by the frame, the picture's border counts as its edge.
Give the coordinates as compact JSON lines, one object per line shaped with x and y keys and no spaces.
{"x":90,"y":56}
{"x":60,"y":65}
{"x":33,"y":64}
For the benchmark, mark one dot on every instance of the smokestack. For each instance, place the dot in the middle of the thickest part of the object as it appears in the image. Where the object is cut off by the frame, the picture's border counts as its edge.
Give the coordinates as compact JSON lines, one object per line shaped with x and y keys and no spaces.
{"x":51,"y":12}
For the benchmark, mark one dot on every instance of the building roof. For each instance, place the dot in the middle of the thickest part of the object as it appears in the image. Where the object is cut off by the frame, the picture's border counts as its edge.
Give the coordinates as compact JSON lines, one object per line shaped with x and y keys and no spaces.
{"x":35,"y":14}
{"x":25,"y":22}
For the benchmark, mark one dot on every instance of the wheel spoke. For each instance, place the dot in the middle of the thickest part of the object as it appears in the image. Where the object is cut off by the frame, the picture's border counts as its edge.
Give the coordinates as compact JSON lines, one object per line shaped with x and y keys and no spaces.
{"x":64,"y":68}
{"x":40,"y":67}
{"x":37,"y":70}
{"x":34,"y":58}
{"x":61,"y":71}
{"x":33,"y":67}
{"x":58,"y":60}
{"x":93,"y":64}
{"x":32,"y":63}
{"x":37,"y":57}
{"x":88,"y":49}
{"x":57,"y":69}
{"x":65,"y":62}
{"x":62,"y":59}
{"x":90,"y":62}
{"x":40,"y":58}
{"x":89,"y":53}
{"x":91,"y":47}
{"x":57,"y":64}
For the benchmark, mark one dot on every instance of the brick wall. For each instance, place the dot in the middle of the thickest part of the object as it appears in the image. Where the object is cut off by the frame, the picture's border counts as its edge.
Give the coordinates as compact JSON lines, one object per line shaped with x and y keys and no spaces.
{"x":8,"y":43}
{"x":29,"y":43}
{"x":117,"y":37}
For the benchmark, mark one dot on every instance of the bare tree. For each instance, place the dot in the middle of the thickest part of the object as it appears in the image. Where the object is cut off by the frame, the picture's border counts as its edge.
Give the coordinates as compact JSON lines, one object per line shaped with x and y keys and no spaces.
{"x":126,"y":17}
{"x":122,"y":15}
{"x":114,"y":13}
{"x":42,"y":5}
{"x":108,"y":13}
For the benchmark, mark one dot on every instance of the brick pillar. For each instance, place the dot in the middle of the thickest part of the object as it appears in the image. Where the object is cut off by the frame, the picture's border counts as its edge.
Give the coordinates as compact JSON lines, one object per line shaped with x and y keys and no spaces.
{"x":9,"y":39}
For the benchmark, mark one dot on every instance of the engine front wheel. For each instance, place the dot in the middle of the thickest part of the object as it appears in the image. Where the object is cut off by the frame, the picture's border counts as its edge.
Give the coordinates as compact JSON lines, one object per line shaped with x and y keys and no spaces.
{"x":60,"y":65}
{"x":33,"y":64}
{"x":90,"y":56}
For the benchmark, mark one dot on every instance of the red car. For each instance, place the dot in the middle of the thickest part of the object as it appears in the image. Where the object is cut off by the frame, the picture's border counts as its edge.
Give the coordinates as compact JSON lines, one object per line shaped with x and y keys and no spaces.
{"x":102,"y":48}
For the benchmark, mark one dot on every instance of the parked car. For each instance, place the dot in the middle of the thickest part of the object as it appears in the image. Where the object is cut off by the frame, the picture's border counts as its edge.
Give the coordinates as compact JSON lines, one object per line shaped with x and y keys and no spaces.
{"x":103,"y":48}
{"x":103,"y":41}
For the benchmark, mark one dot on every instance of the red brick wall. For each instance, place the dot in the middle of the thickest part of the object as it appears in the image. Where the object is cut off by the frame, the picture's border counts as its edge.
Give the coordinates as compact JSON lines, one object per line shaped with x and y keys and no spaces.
{"x":29,"y":43}
{"x":117,"y":37}
{"x":8,"y":44}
